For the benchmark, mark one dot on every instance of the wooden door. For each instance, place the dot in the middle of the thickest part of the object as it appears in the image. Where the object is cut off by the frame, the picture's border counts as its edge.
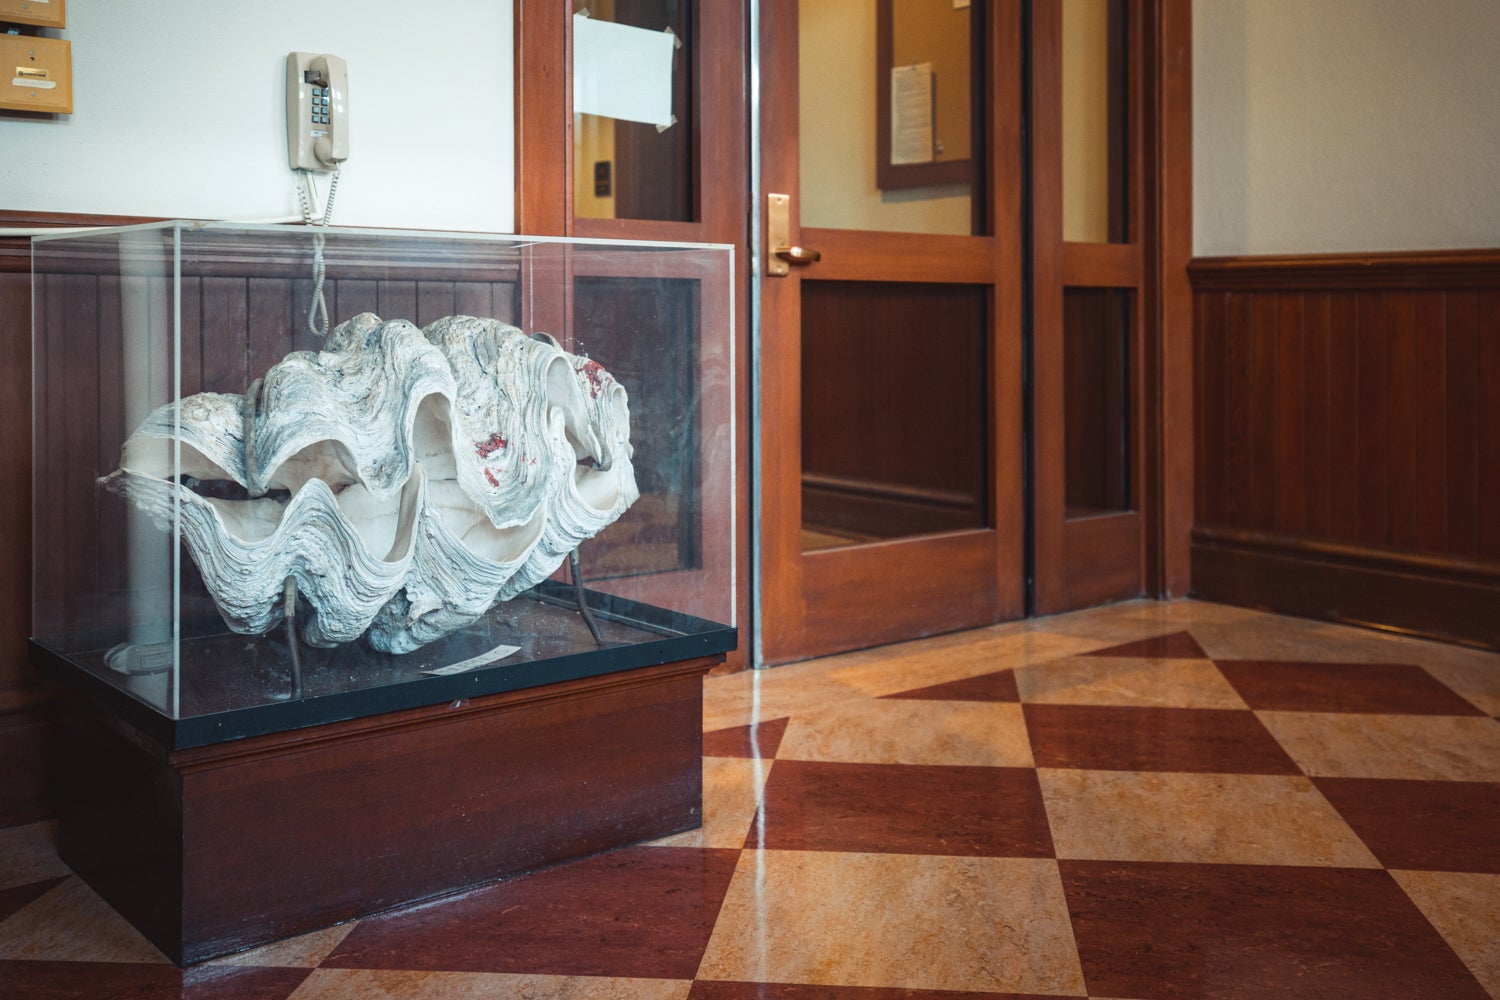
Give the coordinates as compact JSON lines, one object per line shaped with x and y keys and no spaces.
{"x":1110,"y":353}
{"x":892,"y":489}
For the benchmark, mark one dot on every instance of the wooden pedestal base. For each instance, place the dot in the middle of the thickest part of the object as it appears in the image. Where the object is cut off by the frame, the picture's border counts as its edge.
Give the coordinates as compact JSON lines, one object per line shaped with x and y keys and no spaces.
{"x":213,"y":849}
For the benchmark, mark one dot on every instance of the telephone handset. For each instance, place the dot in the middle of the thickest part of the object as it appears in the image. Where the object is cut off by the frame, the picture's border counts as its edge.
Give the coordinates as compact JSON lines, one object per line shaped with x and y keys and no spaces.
{"x":317,"y":111}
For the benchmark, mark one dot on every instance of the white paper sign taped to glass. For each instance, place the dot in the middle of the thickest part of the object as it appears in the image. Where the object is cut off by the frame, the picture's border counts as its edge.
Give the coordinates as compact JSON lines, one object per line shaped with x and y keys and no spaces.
{"x":622,"y":72}
{"x":911,"y":114}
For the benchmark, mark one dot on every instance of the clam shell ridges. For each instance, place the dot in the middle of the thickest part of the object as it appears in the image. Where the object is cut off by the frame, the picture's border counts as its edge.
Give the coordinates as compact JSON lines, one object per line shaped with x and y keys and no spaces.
{"x":409,"y":479}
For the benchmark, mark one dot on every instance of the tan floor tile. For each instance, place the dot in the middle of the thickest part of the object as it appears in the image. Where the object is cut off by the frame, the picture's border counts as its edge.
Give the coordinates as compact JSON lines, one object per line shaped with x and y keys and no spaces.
{"x":1380,"y":646}
{"x":1348,"y":745}
{"x":1098,"y":680}
{"x":888,"y":920}
{"x":72,"y":924}
{"x":306,"y":951}
{"x":937,"y":661}
{"x":372,"y":984}
{"x":1109,"y":625}
{"x":740,"y":699}
{"x":1185,"y":613}
{"x":1208,"y":818}
{"x":1278,"y":637}
{"x":1475,"y":676}
{"x":732,"y":789}
{"x":30,"y":854}
{"x":1466,"y":911}
{"x":905,"y":731}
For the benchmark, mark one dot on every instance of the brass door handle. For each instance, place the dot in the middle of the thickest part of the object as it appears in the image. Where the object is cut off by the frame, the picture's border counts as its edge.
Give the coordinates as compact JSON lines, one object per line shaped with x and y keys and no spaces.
{"x":781,"y":253}
{"x":797,"y":255}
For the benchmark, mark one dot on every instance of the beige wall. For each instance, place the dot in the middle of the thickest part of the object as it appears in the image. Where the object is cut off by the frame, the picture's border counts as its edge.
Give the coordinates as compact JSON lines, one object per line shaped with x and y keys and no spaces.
{"x":180,"y":111}
{"x":1345,"y":125}
{"x":837,"y":108}
{"x":1085,"y":120}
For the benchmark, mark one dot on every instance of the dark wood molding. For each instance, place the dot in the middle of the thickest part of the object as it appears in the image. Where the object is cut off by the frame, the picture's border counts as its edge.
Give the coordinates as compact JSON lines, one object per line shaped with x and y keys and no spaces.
{"x":15,"y":251}
{"x":1435,"y":595}
{"x":1339,"y":271}
{"x":1169,"y":460}
{"x":544,"y":122}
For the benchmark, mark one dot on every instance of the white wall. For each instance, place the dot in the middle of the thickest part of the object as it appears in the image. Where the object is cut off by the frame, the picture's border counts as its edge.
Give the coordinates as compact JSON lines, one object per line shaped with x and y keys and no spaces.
{"x":179,"y":111}
{"x":1345,"y":125}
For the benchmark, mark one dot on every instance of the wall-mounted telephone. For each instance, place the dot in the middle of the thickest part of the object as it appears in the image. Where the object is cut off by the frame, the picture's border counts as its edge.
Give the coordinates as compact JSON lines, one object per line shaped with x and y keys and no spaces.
{"x":317,"y":111}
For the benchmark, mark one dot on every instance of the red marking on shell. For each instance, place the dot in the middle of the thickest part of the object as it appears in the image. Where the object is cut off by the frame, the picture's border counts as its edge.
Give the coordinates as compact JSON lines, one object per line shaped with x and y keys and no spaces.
{"x":488,"y":448}
{"x":491,"y":477}
{"x":594,"y":372}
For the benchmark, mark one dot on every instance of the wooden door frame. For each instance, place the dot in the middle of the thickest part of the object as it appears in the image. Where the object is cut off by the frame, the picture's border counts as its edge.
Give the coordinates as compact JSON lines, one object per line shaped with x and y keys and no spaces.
{"x":1090,"y":560}
{"x":544,"y":191}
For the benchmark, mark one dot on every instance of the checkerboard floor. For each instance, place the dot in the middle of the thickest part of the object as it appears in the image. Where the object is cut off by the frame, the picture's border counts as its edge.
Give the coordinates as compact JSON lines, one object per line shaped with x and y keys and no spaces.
{"x":1142,"y":801}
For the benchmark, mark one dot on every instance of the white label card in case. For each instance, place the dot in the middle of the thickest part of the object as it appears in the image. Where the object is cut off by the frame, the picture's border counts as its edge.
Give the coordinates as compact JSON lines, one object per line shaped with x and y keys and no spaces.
{"x":498,"y":653}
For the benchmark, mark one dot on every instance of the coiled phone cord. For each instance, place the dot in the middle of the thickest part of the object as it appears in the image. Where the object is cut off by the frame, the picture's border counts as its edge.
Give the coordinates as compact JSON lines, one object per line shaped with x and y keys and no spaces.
{"x":317,"y":310}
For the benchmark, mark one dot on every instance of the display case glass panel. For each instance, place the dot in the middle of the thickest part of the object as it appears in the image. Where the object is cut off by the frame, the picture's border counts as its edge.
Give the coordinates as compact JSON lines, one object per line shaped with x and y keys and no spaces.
{"x":405,"y":490}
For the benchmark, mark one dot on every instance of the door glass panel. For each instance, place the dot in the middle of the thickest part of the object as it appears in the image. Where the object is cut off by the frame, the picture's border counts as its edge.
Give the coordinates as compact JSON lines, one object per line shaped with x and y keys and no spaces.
{"x":891,"y":146}
{"x":1094,"y":127}
{"x":633,"y":170}
{"x":893,"y":410}
{"x":1096,"y":399}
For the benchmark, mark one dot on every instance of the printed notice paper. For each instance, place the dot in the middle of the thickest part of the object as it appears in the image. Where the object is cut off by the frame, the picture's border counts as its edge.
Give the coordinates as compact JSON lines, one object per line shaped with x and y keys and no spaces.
{"x":622,"y":72}
{"x":911,"y":114}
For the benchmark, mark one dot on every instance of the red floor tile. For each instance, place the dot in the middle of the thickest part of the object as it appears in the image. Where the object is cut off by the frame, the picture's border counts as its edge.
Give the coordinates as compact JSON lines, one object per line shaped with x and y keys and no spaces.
{"x":1168,"y":931}
{"x":1342,"y":687}
{"x":121,"y":981}
{"x":904,"y":809}
{"x":14,"y":898}
{"x":1108,"y":738}
{"x":737,"y":742}
{"x":1431,"y":825}
{"x":1177,"y":645}
{"x":640,"y":912}
{"x":999,"y":686}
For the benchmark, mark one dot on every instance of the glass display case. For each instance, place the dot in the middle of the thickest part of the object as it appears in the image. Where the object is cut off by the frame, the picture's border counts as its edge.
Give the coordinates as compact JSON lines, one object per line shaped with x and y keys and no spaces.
{"x":244,"y":524}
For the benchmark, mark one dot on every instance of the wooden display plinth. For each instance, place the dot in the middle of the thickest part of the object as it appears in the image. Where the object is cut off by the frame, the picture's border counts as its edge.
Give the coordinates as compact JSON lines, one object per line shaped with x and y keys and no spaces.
{"x":215,"y":848}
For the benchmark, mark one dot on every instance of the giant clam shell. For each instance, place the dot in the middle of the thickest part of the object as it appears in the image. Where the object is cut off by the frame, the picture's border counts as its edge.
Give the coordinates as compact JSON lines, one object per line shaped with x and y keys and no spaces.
{"x":408,"y":479}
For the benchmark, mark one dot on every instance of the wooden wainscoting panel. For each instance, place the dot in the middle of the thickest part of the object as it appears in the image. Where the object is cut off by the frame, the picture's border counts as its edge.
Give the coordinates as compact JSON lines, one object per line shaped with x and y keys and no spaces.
{"x":1346,"y":399}
{"x":1488,"y":422}
{"x":28,"y":717}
